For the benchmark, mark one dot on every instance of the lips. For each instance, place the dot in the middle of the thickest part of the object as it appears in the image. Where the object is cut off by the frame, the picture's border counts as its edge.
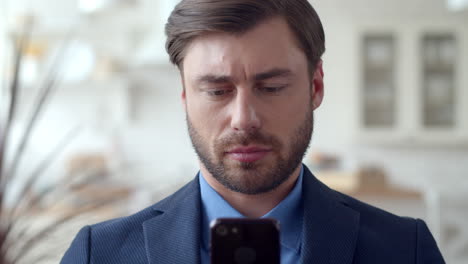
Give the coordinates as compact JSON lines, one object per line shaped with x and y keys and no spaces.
{"x":248,"y":154}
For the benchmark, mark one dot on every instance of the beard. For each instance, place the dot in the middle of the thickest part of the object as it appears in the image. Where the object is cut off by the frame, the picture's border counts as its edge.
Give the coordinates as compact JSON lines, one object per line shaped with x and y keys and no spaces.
{"x":259,"y":176}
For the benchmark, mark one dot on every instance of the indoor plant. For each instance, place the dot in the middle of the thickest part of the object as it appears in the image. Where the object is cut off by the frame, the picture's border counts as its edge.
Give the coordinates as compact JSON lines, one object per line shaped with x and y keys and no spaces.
{"x":17,"y":236}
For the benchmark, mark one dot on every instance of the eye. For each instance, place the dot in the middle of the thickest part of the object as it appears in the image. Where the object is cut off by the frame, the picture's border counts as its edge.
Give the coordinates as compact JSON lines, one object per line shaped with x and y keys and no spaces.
{"x":219,"y":92}
{"x":271,"y":89}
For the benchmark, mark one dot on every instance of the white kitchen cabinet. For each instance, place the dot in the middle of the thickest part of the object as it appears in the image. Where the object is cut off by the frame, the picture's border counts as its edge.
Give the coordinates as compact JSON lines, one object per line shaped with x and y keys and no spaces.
{"x":413,"y":84}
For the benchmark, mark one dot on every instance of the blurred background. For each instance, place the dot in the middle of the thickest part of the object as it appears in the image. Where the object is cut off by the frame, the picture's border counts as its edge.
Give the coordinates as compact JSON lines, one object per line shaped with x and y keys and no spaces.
{"x":392,"y":130}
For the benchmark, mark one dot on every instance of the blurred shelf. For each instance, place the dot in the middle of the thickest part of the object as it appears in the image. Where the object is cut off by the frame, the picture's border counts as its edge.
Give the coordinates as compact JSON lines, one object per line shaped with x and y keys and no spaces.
{"x":351,"y":183}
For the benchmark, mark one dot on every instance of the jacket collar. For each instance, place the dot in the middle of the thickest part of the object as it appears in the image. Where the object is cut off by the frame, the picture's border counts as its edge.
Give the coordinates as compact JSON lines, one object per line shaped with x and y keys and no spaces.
{"x":174,"y":235}
{"x":330,"y":226}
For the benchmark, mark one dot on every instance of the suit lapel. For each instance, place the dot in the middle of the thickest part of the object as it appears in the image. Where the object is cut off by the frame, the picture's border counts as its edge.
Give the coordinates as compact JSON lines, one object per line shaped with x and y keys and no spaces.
{"x":174,"y":235}
{"x":330,"y":226}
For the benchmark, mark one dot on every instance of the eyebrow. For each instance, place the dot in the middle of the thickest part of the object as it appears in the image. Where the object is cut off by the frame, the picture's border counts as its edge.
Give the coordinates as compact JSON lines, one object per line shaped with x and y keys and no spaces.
{"x":273,"y":73}
{"x":215,"y":79}
{"x":219,"y":79}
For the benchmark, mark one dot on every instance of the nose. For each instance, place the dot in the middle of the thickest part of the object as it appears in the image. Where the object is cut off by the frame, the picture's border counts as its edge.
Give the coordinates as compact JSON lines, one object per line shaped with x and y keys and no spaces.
{"x":244,"y":116}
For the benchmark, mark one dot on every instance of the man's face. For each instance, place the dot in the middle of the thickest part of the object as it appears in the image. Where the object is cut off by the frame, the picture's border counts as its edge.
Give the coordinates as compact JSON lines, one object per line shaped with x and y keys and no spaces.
{"x":249,"y":101}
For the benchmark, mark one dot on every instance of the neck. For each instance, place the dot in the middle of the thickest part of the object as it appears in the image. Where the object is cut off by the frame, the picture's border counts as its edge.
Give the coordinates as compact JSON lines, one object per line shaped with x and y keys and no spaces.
{"x":256,"y":205}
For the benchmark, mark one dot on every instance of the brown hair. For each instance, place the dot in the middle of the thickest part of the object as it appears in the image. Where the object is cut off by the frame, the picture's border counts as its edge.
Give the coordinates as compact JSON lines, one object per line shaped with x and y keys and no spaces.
{"x":193,"y":18}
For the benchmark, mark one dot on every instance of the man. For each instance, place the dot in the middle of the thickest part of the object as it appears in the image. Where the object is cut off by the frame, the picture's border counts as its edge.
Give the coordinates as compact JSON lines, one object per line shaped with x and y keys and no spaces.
{"x":252,"y":76}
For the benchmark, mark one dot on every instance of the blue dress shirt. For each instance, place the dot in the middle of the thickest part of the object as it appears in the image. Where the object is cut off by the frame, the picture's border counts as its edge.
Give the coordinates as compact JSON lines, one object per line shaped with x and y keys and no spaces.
{"x":288,"y":212}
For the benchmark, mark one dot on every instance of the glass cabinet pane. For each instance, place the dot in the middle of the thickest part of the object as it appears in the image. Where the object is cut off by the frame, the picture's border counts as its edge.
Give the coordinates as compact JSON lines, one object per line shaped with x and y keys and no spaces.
{"x":439,"y":57}
{"x":378,"y":81}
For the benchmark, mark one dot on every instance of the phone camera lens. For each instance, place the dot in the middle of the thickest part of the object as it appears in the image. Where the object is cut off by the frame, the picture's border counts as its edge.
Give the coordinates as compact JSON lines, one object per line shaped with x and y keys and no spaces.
{"x":222,"y":230}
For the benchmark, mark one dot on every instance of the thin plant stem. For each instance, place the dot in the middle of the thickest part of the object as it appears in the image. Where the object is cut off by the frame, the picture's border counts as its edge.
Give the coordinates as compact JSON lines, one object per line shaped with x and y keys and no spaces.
{"x":45,"y":94}
{"x":35,"y":200}
{"x":55,"y":225}
{"x":20,"y":46}
{"x":32,"y":201}
{"x":40,"y":169}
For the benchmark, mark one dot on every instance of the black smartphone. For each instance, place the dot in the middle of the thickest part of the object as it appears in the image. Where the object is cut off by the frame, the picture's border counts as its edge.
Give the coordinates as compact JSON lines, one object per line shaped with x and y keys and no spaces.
{"x":244,"y":241}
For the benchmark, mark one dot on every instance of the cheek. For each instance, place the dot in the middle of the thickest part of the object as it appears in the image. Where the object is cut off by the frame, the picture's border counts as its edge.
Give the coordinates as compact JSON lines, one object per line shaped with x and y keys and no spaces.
{"x":206,"y":119}
{"x":288,"y":117}
{"x":292,"y":108}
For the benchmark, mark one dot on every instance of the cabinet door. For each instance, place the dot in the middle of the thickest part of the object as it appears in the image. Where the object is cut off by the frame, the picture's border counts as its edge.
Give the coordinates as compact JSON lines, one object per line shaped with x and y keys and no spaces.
{"x":439,"y":52}
{"x":379,"y":91}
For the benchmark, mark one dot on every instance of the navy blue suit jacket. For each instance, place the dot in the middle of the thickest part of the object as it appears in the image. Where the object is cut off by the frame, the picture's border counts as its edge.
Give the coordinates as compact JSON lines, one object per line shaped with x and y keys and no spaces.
{"x":337,"y":230}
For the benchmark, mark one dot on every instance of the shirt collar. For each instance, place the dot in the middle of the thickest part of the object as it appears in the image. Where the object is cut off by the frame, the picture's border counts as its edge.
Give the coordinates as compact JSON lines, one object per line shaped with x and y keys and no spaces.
{"x":288,"y":212}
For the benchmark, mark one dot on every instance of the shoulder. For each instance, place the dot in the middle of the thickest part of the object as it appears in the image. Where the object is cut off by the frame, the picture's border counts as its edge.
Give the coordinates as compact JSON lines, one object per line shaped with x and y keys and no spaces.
{"x":121,"y":238}
{"x":109,"y":241}
{"x":370,"y":217}
{"x":122,"y":227}
{"x":382,"y":233}
{"x":112,"y":241}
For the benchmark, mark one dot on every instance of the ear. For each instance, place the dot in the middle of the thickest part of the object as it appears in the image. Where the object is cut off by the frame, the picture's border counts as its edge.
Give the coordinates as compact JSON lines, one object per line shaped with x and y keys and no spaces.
{"x":317,"y":86}
{"x":183,"y":95}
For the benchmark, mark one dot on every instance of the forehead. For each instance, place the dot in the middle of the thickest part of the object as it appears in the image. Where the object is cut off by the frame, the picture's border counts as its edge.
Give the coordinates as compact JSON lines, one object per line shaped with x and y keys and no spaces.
{"x":270,"y":44}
